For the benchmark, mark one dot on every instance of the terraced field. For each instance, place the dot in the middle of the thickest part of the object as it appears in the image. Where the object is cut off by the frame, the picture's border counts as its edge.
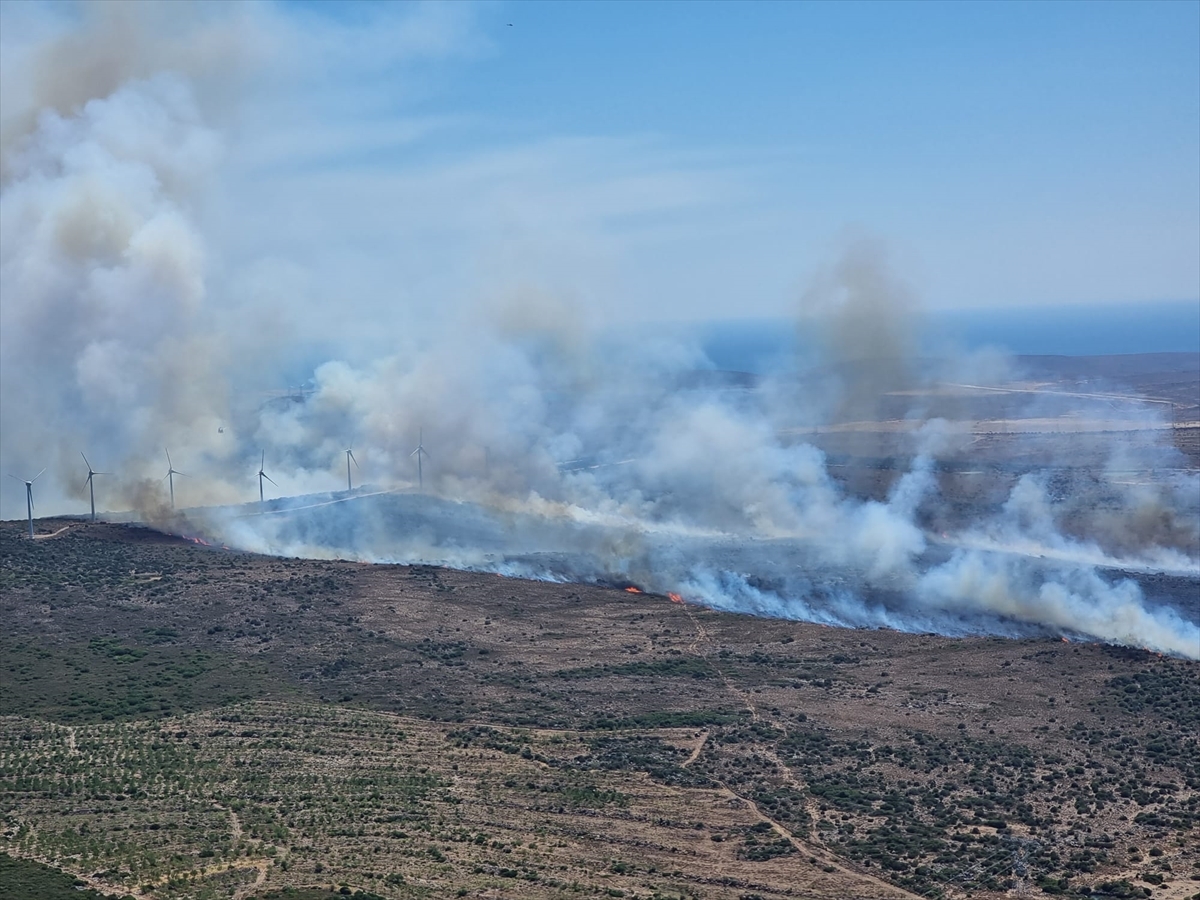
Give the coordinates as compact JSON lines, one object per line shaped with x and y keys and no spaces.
{"x":182,"y":722}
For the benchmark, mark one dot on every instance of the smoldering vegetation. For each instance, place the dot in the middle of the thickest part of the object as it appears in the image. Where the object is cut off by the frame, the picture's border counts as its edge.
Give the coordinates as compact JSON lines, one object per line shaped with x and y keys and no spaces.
{"x":710,"y":493}
{"x":554,"y":452}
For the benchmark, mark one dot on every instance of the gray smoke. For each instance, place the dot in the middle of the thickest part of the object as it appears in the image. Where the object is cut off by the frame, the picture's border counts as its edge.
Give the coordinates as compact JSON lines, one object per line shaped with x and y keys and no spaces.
{"x":555,"y":452}
{"x":865,"y":320}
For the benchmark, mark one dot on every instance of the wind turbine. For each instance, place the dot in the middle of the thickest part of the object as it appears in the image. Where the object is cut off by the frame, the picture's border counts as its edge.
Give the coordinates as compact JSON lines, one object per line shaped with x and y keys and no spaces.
{"x":170,"y":476}
{"x":91,"y":484}
{"x":29,"y":497}
{"x":349,"y":456}
{"x":262,"y":475}
{"x":418,"y":453}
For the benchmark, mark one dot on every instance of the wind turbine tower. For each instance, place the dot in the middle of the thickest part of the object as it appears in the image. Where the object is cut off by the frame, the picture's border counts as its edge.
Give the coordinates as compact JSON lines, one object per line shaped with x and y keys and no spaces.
{"x":418,"y":453}
{"x":91,"y":484}
{"x":261,"y":475}
{"x":349,"y":457}
{"x":29,"y":497}
{"x":170,"y":476}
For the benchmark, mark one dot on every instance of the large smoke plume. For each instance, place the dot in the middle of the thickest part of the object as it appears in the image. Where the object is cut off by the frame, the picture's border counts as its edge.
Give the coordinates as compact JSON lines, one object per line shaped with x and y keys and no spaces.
{"x":555,"y":452}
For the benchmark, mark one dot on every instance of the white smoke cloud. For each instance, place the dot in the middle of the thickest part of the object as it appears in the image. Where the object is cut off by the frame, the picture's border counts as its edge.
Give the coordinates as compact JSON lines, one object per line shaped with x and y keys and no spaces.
{"x":132,"y":321}
{"x":104,"y":340}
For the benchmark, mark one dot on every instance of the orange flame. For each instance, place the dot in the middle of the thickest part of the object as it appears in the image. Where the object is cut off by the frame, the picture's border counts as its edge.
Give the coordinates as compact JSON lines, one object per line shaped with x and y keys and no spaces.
{"x":632,"y":590}
{"x":675,"y":598}
{"x":1065,"y":641}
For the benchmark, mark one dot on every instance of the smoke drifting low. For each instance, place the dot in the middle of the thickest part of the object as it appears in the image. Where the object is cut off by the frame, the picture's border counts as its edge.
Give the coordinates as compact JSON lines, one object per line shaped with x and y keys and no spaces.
{"x":554,"y":452}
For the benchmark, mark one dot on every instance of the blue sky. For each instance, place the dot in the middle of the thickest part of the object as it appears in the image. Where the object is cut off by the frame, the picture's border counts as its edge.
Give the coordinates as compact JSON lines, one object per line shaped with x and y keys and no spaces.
{"x":714,"y":154}
{"x":279,"y":184}
{"x":685,"y":161}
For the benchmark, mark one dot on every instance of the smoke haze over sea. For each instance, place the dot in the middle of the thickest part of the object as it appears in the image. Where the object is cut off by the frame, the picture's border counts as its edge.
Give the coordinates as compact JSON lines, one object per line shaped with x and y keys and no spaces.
{"x":762,"y":346}
{"x":160,"y":290}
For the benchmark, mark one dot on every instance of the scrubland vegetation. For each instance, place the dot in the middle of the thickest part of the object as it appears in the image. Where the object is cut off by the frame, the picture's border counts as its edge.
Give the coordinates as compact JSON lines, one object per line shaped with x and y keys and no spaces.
{"x":178,"y":722}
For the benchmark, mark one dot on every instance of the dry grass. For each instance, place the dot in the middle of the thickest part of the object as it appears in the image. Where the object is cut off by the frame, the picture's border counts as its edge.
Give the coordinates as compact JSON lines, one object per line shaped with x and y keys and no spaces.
{"x":421,"y":732}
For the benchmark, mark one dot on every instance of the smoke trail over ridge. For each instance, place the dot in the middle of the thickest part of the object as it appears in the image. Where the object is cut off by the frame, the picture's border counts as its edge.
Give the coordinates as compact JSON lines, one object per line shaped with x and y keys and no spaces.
{"x":555,"y":452}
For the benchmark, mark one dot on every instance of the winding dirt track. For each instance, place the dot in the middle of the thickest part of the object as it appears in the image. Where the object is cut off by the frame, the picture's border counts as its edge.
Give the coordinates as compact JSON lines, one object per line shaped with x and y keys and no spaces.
{"x":814,"y":849}
{"x":697,"y":751}
{"x":54,"y":534}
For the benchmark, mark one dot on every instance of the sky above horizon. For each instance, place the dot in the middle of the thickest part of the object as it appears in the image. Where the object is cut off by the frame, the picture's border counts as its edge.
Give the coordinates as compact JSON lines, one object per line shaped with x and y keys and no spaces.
{"x":422,"y":207}
{"x":667,"y":162}
{"x":704,"y":158}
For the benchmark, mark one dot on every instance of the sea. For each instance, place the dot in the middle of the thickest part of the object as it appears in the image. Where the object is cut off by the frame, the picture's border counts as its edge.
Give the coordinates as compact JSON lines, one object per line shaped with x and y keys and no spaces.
{"x":769,"y":345}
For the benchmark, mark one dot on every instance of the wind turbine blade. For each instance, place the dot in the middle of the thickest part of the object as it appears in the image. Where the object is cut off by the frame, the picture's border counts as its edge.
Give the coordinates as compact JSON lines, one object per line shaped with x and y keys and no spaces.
{"x":168,"y":475}
{"x":262,"y":462}
{"x":15,"y":478}
{"x":355,"y":461}
{"x":37,"y":476}
{"x":89,"y":465}
{"x":415,"y":452}
{"x":269,"y":478}
{"x":170,"y":465}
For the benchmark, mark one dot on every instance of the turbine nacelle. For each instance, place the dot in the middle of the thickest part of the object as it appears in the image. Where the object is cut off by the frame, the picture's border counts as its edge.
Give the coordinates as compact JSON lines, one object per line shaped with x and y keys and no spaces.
{"x":29,"y":496}
{"x":419,"y":453}
{"x":170,"y":476}
{"x":262,"y":464}
{"x":91,"y":486}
